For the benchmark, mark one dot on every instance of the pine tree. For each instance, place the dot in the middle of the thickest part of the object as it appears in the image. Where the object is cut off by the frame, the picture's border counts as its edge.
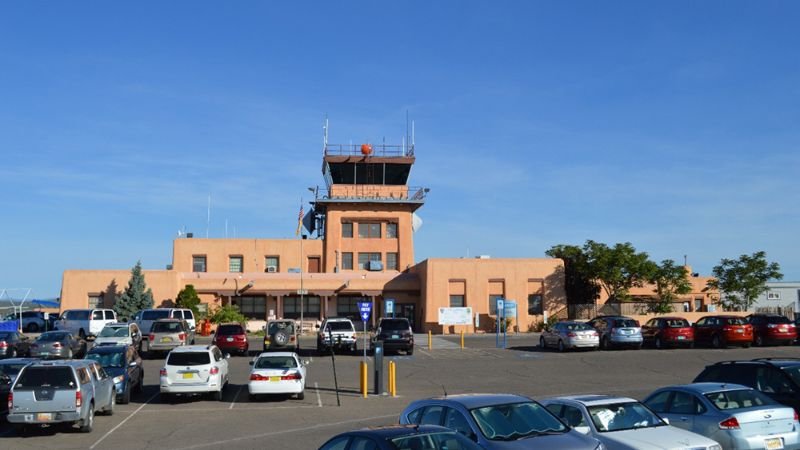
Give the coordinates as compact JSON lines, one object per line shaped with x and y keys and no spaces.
{"x":136,"y":297}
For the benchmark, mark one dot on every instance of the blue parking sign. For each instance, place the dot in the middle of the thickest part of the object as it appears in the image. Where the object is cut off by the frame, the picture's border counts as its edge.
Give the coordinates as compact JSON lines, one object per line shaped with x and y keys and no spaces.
{"x":365,"y":309}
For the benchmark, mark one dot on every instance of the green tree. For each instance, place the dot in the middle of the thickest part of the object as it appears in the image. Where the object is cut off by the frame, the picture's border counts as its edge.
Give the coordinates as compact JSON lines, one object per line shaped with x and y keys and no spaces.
{"x":741,"y":281}
{"x":188,"y":298}
{"x":670,"y":281}
{"x":136,"y":296}
{"x":579,"y":284}
{"x":617,"y":269}
{"x":227,"y":313}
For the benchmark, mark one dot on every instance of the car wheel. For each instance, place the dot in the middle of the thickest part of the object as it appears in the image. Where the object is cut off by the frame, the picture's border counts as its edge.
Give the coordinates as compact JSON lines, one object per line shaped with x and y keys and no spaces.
{"x":354,"y":349}
{"x":33,"y":328}
{"x":88,"y":423}
{"x":690,"y":345}
{"x":217,"y":396}
{"x":659,"y":344}
{"x":410,"y":351}
{"x":109,"y":410}
{"x":140,"y":384}
{"x":281,"y":338}
{"x":638,"y":346}
{"x":126,"y":395}
{"x":165,"y":397}
{"x":759,"y":341}
{"x":746,"y":345}
{"x":561,"y":345}
{"x":541,"y":343}
{"x":301,"y":395}
{"x":21,"y":430}
{"x":13,"y":353}
{"x":192,"y":341}
{"x":604,"y":344}
{"x":716,"y":342}
{"x":69,"y":354}
{"x":252,"y":397}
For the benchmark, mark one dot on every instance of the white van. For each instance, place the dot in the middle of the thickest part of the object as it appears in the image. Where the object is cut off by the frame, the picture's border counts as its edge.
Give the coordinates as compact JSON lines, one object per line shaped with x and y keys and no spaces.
{"x":146,"y":317}
{"x":85,"y":322}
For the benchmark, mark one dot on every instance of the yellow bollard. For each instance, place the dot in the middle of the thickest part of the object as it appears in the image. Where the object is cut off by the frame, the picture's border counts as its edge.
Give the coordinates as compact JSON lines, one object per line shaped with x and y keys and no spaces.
{"x":430,"y":341}
{"x":462,"y":339}
{"x":392,"y":379}
{"x":364,"y":381}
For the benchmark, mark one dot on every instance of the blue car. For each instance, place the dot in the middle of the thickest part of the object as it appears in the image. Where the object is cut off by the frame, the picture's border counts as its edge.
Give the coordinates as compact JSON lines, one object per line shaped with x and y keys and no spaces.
{"x":401,"y":437}
{"x":124,"y":364}
{"x":499,"y":421}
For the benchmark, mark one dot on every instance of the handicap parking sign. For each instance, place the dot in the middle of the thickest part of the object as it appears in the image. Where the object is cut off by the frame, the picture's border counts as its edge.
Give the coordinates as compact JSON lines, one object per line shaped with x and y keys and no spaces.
{"x":365,"y":308}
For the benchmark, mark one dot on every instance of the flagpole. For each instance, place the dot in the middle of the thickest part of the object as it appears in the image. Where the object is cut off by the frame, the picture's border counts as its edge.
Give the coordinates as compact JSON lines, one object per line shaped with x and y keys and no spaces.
{"x":302,"y":292}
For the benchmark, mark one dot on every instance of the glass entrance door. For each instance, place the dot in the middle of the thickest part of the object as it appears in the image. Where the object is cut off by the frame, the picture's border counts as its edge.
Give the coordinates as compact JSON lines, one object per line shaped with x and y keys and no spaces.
{"x":406,"y":310}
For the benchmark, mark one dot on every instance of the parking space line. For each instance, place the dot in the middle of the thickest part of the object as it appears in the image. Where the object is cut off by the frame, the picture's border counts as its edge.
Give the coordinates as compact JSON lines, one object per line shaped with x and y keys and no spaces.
{"x":294,"y":430}
{"x":237,"y":396}
{"x":123,"y":422}
{"x":424,"y":352}
{"x":319,"y":399}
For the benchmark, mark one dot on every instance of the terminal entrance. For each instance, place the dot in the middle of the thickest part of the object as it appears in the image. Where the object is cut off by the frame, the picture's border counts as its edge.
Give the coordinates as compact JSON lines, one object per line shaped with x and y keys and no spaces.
{"x":406,"y":310}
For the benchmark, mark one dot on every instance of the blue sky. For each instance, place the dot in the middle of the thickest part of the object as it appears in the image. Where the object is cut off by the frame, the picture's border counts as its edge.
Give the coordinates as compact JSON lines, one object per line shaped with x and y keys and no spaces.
{"x":672,"y":125}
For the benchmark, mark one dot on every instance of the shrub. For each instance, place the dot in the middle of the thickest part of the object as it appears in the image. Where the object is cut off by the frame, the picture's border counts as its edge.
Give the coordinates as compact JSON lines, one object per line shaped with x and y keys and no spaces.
{"x":225,"y":314}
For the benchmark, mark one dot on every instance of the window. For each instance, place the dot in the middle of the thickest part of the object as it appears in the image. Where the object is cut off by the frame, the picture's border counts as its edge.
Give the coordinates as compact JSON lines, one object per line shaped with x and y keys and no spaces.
{"x":659,"y":402}
{"x":391,"y":261}
{"x":291,"y":307}
{"x":95,"y":300}
{"x":110,"y":315}
{"x":272,"y":264}
{"x":573,"y":417}
{"x":252,"y":307}
{"x":432,"y":416}
{"x":391,"y":230}
{"x":456,"y":421}
{"x":365,"y":258}
{"x":336,"y":444}
{"x":347,"y":261}
{"x":235,"y":264}
{"x":684,"y":403}
{"x":493,"y":304}
{"x":457,"y":301}
{"x":698,"y":304}
{"x":347,"y":229}
{"x":535,"y":304}
{"x":198,"y":263}
{"x":773,"y":295}
{"x":348,"y":307}
{"x":369,"y":230}
{"x":362,"y":443}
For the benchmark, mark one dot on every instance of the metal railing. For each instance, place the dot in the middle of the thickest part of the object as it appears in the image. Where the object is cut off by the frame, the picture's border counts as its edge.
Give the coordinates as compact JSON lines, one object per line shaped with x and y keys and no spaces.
{"x":383,"y":150}
{"x":371,"y":192}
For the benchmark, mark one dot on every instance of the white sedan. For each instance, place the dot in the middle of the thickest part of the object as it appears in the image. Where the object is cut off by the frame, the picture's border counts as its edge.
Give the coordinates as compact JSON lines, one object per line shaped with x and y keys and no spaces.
{"x":622,"y":423}
{"x":277,"y":373}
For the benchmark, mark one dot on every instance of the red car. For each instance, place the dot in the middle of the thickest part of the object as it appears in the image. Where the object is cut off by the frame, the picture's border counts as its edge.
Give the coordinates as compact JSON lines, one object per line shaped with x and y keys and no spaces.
{"x":665,"y":332}
{"x":772,"y":328}
{"x":722,"y":331}
{"x":231,"y":338}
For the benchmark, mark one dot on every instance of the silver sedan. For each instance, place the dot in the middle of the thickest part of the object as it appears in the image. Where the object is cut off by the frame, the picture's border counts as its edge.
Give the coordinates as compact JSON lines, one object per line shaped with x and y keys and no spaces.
{"x":570,"y":335}
{"x":736,"y":416}
{"x":57,"y":344}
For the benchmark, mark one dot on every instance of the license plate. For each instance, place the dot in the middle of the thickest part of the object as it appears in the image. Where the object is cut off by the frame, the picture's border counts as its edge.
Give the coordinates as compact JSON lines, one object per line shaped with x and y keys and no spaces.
{"x":774,"y":443}
{"x":166,"y":339}
{"x":49,"y":416}
{"x":680,"y":338}
{"x":274,"y":378}
{"x":740,"y":331}
{"x":230,"y":339}
{"x":187,"y":375}
{"x":395,"y":336}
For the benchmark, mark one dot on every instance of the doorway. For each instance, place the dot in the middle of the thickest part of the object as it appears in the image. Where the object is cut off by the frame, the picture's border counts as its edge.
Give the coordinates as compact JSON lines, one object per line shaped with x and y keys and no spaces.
{"x":406,"y":310}
{"x":314,"y":264}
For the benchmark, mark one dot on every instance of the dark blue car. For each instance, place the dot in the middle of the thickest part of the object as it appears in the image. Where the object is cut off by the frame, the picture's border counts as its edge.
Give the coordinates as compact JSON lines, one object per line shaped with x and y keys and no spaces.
{"x":123,"y":363}
{"x":401,"y":437}
{"x":499,"y":421}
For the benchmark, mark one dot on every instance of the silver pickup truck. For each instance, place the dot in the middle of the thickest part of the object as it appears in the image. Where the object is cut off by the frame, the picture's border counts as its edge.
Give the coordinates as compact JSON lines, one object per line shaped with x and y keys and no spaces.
{"x":51,"y":392}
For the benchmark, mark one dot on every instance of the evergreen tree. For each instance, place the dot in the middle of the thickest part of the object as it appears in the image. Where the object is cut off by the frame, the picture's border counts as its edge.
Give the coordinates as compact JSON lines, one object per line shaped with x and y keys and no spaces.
{"x":136,"y":297}
{"x":188,"y":298}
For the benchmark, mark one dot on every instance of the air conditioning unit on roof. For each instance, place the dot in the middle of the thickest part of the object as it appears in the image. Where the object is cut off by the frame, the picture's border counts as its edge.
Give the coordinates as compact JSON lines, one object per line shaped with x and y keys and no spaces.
{"x":272,"y":269}
{"x":375,"y":266}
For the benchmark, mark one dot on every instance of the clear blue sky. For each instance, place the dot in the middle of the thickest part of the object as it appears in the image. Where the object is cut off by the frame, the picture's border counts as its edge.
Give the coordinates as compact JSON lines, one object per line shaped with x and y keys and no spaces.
{"x":672,"y":125}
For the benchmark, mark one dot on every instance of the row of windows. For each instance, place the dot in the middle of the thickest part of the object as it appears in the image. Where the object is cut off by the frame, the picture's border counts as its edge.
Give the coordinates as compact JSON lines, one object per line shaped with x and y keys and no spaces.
{"x":534,"y":303}
{"x":256,"y":307}
{"x":365,"y":258}
{"x":236,"y":264}
{"x":370,"y":230}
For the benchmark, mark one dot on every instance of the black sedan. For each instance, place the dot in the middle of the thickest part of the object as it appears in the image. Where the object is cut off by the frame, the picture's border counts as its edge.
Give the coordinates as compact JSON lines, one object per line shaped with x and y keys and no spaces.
{"x":396,"y":437}
{"x":9,"y":369}
{"x":124,"y":364}
{"x":13,"y":344}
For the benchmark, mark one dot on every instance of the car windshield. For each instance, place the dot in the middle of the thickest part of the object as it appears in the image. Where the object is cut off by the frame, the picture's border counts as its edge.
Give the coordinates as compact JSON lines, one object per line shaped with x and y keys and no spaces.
{"x":578,"y":327}
{"x":736,"y":321}
{"x":778,"y":319}
{"x":435,"y":441}
{"x":274,"y":327}
{"x":339,"y":325}
{"x":107,"y":359}
{"x":512,"y":421}
{"x":275,"y":362}
{"x":625,"y":323}
{"x":54,"y":377}
{"x":167,"y":327}
{"x":743,"y":398}
{"x":623,"y":416}
{"x":227,"y":330}
{"x":394,"y":325}
{"x":677,"y":323}
{"x":794,"y":373}
{"x":155,"y":314}
{"x":114,"y":332}
{"x":51,"y":337}
{"x":188,"y":359}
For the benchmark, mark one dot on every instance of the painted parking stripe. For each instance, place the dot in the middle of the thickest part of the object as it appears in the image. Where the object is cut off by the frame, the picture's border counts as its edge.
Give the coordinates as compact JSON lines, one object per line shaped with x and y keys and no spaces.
{"x":319,"y":399}
{"x":123,"y":422}
{"x":237,"y":396}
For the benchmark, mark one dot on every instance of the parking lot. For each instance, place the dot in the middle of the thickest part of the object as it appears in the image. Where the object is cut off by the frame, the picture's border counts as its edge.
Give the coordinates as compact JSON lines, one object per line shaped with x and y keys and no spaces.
{"x":305,"y":424}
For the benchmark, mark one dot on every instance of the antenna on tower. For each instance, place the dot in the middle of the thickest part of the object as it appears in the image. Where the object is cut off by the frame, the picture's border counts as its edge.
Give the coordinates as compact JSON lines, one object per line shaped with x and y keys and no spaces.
{"x":406,"y":139}
{"x":325,"y":135}
{"x":208,"y":217}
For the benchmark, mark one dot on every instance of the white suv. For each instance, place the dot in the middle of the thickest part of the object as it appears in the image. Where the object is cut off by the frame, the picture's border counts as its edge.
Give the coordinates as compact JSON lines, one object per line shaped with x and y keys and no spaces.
{"x":85,"y":322}
{"x":146,"y":317}
{"x":337,"y":333}
{"x":192,"y":370}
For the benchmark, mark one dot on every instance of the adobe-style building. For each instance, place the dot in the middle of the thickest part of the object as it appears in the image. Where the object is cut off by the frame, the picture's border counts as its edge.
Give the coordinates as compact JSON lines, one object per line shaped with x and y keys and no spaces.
{"x":361,"y":249}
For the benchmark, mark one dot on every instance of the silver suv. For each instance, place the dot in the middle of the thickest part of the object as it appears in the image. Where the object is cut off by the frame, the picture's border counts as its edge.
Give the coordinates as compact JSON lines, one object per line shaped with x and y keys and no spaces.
{"x":337,"y":333}
{"x":193,"y":370}
{"x":617,"y":331}
{"x":46,"y":393}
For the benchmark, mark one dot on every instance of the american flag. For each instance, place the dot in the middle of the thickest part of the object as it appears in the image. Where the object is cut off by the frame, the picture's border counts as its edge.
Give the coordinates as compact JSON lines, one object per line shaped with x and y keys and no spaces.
{"x":299,"y":221}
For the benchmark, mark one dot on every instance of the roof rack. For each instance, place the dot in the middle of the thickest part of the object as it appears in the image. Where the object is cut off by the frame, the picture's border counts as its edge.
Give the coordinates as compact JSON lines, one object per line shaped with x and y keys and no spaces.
{"x":783,"y":358}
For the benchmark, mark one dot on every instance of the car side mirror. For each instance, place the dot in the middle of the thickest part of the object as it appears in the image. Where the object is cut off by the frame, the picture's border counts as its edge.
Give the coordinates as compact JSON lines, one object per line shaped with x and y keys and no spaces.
{"x":251,"y":362}
{"x":306,"y":362}
{"x":227,"y":356}
{"x":583,"y":430}
{"x":191,"y":328}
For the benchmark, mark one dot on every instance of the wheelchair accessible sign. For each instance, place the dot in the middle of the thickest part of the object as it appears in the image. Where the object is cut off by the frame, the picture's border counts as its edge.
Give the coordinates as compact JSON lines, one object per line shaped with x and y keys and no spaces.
{"x":365,"y":308}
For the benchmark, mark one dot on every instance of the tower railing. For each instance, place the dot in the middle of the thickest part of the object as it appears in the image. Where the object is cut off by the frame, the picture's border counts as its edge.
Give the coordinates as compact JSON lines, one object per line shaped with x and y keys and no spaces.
{"x":382,"y":150}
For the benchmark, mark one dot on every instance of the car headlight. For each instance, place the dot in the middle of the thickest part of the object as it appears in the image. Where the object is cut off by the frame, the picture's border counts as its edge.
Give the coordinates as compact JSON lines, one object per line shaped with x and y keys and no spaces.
{"x":119,"y":379}
{"x":715,"y":447}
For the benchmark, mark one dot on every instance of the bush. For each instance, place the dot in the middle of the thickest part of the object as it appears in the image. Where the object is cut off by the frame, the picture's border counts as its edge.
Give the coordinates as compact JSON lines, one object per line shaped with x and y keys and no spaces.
{"x":228,"y":314}
{"x":540,"y":326}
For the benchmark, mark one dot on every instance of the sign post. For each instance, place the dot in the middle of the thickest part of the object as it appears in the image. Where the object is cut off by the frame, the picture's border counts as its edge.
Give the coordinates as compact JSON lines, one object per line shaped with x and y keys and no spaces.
{"x":365,"y":309}
{"x":388,"y":307}
{"x":500,"y":311}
